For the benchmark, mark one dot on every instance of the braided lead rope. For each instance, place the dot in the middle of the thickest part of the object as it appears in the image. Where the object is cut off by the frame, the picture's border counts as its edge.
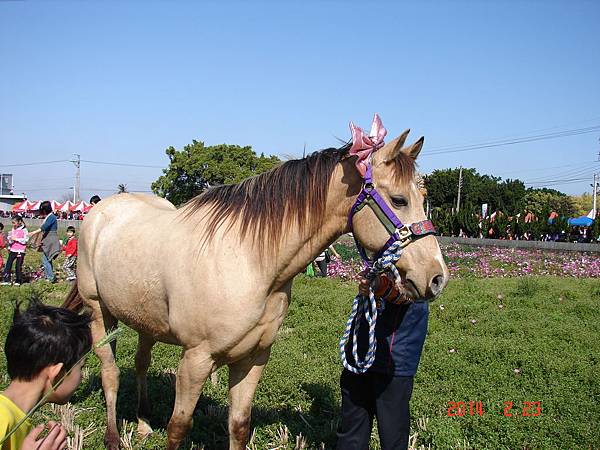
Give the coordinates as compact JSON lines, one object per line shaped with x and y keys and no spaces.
{"x":367,"y":307}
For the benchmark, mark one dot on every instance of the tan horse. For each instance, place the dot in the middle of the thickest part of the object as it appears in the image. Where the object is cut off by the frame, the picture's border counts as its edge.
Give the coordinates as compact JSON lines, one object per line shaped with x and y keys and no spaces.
{"x":215,"y":276}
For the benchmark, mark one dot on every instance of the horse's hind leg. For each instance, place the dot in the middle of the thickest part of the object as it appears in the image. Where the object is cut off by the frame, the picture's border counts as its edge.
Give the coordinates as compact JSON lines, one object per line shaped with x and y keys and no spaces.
{"x":103,"y":322}
{"x":244,"y":376}
{"x":194,"y":368}
{"x":142,"y":362}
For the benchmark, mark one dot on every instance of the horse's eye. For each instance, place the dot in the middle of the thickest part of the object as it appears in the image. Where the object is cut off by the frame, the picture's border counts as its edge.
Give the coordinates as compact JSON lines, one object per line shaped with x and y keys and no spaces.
{"x":399,"y":201}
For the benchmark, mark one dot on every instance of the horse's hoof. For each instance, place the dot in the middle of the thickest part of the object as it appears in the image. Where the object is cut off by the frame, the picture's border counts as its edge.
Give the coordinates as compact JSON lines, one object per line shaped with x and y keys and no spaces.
{"x":144,"y":429}
{"x":112,"y":442}
{"x":112,"y":445}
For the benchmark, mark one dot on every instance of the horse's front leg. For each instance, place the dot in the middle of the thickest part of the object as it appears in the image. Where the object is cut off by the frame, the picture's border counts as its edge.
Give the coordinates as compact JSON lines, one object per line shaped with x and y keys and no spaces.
{"x":244,"y":376}
{"x":194,"y":368}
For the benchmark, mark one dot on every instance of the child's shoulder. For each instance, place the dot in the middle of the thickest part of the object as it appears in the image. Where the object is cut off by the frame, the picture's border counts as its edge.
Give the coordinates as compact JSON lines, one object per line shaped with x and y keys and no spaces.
{"x":7,"y":413}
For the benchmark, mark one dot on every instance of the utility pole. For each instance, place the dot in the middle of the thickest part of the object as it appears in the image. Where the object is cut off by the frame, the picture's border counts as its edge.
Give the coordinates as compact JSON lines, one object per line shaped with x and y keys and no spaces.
{"x":77,"y":162}
{"x":459,"y":189}
{"x":595,"y":194}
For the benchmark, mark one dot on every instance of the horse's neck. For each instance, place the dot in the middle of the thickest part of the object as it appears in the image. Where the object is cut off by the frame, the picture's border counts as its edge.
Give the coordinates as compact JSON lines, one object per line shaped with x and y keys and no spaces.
{"x":301,"y":248}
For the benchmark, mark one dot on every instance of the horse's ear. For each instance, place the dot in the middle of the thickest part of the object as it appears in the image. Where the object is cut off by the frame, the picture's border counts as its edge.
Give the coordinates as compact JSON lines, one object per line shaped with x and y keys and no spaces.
{"x":390,"y":151}
{"x":414,"y":150}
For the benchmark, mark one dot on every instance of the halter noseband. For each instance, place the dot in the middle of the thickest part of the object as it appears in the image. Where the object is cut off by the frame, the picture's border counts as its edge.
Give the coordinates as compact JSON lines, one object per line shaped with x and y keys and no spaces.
{"x":398,"y":231}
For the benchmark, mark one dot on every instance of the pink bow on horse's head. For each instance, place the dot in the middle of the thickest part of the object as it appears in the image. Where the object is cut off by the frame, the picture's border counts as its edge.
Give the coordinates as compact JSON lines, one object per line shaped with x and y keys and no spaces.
{"x":363,"y":145}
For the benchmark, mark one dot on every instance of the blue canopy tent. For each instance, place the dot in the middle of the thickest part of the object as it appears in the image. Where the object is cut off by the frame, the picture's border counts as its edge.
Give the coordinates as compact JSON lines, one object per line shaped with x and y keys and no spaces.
{"x":582,"y":221}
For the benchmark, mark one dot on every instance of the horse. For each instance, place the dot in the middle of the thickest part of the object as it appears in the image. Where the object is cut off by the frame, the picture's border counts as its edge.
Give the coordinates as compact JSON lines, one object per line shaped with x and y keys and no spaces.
{"x":215,"y":276}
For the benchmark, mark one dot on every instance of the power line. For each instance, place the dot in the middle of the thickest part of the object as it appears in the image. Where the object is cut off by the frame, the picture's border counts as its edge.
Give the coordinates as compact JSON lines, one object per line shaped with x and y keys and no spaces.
{"x":568,"y":173}
{"x":34,"y":163}
{"x":45,"y":189}
{"x":121,"y":164}
{"x":521,"y":134}
{"x":111,"y":190}
{"x":492,"y":144}
{"x":539,"y":169}
{"x":557,"y":182}
{"x":38,"y":163}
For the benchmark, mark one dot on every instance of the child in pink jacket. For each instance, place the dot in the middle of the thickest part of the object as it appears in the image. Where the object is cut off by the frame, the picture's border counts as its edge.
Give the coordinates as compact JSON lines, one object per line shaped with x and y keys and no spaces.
{"x":17,"y":240}
{"x":2,"y":245}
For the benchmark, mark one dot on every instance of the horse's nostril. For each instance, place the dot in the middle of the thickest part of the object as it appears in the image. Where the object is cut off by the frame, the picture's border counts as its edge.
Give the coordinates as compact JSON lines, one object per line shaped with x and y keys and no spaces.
{"x":437,"y":284}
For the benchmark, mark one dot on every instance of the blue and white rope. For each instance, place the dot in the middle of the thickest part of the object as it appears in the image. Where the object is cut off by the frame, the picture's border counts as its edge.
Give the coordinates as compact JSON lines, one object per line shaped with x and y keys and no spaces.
{"x":367,"y":307}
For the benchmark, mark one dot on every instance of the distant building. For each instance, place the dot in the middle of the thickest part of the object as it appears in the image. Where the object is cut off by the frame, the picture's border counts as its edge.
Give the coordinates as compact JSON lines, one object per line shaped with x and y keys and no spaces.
{"x":7,"y":197}
{"x":6,"y":184}
{"x":8,"y":201}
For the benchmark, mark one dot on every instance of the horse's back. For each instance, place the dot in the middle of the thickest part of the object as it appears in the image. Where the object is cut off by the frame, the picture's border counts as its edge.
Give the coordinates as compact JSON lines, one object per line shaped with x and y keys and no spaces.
{"x":122,"y":214}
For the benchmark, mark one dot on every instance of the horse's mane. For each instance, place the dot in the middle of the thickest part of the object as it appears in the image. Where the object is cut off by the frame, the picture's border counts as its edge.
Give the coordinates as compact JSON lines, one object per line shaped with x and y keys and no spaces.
{"x":293,"y":193}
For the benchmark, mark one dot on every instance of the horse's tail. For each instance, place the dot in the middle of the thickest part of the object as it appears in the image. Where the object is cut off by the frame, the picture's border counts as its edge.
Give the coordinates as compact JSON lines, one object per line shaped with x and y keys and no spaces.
{"x":74,"y":301}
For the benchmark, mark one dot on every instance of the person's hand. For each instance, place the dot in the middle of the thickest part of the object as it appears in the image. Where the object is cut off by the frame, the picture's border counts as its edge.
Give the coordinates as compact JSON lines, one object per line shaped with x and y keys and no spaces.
{"x":55,"y":440}
{"x":363,"y":283}
{"x":363,"y":287}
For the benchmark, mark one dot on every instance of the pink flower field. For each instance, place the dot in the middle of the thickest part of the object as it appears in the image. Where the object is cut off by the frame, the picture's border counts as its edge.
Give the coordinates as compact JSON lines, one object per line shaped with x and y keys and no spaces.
{"x":495,"y":262}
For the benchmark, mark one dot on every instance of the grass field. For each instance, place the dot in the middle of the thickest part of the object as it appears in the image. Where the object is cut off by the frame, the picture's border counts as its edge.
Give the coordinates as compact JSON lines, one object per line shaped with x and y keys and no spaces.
{"x":490,"y":340}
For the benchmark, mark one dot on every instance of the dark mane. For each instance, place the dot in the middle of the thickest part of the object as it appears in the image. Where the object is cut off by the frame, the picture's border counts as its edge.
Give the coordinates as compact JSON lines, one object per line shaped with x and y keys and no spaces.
{"x":293,"y":193}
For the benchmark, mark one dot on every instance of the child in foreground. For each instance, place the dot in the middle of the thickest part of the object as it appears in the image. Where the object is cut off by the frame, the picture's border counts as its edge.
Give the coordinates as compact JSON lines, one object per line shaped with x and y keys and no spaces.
{"x":42,"y":345}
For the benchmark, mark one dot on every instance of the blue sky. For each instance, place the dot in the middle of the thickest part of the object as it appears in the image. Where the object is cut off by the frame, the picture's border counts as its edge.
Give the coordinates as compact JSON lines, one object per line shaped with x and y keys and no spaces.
{"x":122,"y":81}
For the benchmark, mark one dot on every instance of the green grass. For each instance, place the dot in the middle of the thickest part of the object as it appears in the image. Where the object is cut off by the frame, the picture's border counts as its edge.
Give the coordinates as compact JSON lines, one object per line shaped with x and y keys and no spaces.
{"x":548,"y":329}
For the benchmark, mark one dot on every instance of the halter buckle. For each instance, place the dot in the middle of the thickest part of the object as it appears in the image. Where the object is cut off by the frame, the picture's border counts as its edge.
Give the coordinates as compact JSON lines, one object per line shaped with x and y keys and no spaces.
{"x":404,"y":235}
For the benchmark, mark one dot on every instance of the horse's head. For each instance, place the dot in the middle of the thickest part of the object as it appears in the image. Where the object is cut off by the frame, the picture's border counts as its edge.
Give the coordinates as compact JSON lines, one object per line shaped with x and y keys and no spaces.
{"x":421,"y":266}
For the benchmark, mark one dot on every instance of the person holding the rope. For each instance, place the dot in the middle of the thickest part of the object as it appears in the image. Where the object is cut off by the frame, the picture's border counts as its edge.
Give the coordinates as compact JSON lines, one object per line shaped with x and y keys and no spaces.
{"x":385,"y":332}
{"x":384,"y":391}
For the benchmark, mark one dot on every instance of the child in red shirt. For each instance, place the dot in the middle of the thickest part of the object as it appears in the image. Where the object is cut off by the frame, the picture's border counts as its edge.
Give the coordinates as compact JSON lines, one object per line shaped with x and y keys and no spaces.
{"x":70,"y":249}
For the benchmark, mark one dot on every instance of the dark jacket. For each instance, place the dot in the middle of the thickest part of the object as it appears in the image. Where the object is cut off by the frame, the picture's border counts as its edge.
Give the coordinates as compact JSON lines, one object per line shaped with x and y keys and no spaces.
{"x":400,"y":333}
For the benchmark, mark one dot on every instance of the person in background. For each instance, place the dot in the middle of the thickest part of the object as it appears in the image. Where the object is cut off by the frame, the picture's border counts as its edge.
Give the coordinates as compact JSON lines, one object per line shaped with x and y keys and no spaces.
{"x":2,"y":245}
{"x":324,"y":258}
{"x":17,"y":240}
{"x":70,"y":249}
{"x":94,"y":200}
{"x":50,"y":246}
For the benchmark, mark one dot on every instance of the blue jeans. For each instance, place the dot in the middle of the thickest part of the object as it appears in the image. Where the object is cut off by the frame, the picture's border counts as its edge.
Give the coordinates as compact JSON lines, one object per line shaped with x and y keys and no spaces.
{"x":47,"y":267}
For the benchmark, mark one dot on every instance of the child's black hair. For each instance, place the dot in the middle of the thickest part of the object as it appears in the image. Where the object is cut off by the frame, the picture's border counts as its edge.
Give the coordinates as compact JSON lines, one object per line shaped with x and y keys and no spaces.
{"x":71,"y":228}
{"x":1,"y":226}
{"x":44,"y":335}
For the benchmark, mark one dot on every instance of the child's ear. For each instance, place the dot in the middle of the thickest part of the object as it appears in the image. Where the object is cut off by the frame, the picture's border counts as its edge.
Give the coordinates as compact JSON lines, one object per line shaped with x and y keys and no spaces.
{"x":54,"y":371}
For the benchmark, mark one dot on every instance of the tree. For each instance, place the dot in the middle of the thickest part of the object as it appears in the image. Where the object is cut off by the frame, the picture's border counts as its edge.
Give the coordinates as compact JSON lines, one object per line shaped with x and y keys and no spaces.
{"x":506,"y":196}
{"x":583,"y":203}
{"x":197,"y":167}
{"x":122,"y":188}
{"x":541,"y":202}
